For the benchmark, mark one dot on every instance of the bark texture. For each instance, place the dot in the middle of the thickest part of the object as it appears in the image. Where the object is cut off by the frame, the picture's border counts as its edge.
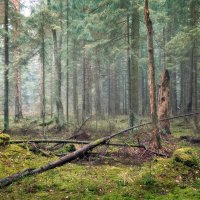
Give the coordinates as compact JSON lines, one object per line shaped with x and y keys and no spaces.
{"x":6,"y":68}
{"x":155,"y":143}
{"x":163,"y":103}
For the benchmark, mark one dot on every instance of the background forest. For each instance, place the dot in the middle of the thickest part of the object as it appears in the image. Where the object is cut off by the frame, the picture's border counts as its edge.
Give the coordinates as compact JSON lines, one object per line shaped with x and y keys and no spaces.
{"x":76,"y":59}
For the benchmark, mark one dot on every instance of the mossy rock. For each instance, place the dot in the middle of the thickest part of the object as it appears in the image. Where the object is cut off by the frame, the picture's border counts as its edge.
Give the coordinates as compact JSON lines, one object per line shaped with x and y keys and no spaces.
{"x":185,"y":156}
{"x":70,"y":148}
{"x":4,"y":139}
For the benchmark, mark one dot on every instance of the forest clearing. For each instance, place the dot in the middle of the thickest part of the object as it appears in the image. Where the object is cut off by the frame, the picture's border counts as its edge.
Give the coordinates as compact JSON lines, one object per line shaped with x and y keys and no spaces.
{"x":99,"y":99}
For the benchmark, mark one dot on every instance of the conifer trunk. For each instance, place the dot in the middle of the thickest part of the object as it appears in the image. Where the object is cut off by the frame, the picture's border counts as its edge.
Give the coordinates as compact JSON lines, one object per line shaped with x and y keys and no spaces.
{"x":97,"y":80}
{"x":6,"y":68}
{"x":129,"y":75}
{"x":75,"y":85}
{"x":135,"y":34}
{"x":57,"y":58}
{"x":16,"y":34}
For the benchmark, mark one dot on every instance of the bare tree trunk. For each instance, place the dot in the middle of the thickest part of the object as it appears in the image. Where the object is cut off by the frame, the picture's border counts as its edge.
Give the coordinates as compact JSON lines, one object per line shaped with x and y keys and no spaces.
{"x":174,"y":92}
{"x":97,"y":82}
{"x":57,"y":55}
{"x":109,"y":90}
{"x":135,"y":34}
{"x":130,"y":87}
{"x":75,"y":85}
{"x":84,"y":89}
{"x":163,"y":103}
{"x":51,"y":88}
{"x":67,"y":68}
{"x":155,"y":143}
{"x":43,"y":92}
{"x":6,"y":68}
{"x":16,"y":34}
{"x":193,"y":98}
{"x":182,"y":88}
{"x":88,"y":88}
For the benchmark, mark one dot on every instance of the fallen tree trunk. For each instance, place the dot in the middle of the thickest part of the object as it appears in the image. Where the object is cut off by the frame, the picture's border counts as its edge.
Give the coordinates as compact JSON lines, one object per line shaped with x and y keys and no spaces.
{"x":49,"y":141}
{"x":71,"y":142}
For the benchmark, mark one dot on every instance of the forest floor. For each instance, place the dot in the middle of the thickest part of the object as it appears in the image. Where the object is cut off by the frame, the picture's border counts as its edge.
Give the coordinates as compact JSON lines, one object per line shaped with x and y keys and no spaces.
{"x":112,"y":173}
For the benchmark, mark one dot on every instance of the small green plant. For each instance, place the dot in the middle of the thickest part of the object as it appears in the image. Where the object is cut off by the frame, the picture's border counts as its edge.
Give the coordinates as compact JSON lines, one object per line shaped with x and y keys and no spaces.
{"x":148,"y":180}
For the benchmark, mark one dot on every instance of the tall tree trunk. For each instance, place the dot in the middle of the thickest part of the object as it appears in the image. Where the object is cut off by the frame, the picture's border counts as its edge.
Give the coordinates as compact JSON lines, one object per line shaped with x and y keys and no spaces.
{"x":193,"y":97}
{"x":43,"y":93}
{"x":75,"y":85}
{"x":191,"y":81}
{"x":57,"y":55}
{"x":116,"y":97}
{"x":51,"y":87}
{"x":135,"y":32}
{"x":97,"y":83}
{"x":129,"y":75}
{"x":182,"y":88}
{"x":84,"y":88}
{"x":109,"y":90}
{"x":67,"y":68}
{"x":155,"y":143}
{"x":174,"y":92}
{"x":16,"y":34}
{"x":6,"y":69}
{"x":59,"y":105}
{"x":88,"y":100}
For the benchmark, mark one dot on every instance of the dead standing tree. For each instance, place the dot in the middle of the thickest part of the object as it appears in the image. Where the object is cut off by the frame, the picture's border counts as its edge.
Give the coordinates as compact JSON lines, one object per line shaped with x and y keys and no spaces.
{"x":163,"y":103}
{"x":155,"y":142}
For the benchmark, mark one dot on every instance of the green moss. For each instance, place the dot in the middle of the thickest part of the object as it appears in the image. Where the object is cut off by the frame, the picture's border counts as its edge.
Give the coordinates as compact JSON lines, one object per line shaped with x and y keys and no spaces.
{"x":4,"y":139}
{"x":185,"y":156}
{"x":163,"y":179}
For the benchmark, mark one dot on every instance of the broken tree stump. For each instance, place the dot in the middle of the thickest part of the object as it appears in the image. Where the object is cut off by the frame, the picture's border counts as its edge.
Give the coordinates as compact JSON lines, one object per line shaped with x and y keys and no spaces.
{"x":163,"y":103}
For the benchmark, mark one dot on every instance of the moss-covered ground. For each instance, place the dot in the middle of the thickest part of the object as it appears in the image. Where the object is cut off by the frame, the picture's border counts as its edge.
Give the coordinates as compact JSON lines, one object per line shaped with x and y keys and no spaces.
{"x":177,"y":177}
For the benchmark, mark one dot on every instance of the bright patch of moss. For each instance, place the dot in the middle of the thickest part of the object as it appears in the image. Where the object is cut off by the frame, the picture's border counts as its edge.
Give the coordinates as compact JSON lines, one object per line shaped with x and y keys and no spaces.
{"x":4,"y":139}
{"x":185,"y":156}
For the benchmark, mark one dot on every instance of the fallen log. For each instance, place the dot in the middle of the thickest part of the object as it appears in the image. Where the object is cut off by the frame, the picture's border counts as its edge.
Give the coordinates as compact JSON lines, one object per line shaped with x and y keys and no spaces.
{"x":191,"y":139}
{"x":72,"y":142}
{"x":49,"y":141}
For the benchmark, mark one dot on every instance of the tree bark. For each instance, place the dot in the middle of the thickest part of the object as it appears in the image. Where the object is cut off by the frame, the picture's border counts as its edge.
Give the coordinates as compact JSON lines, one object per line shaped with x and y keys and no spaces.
{"x":6,"y":68}
{"x":97,"y":83}
{"x":155,"y":143}
{"x":57,"y":58}
{"x":135,"y":34}
{"x":43,"y":92}
{"x":193,"y":97}
{"x":75,"y":85}
{"x":16,"y":52}
{"x":67,"y":68}
{"x":163,"y":103}
{"x":129,"y":75}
